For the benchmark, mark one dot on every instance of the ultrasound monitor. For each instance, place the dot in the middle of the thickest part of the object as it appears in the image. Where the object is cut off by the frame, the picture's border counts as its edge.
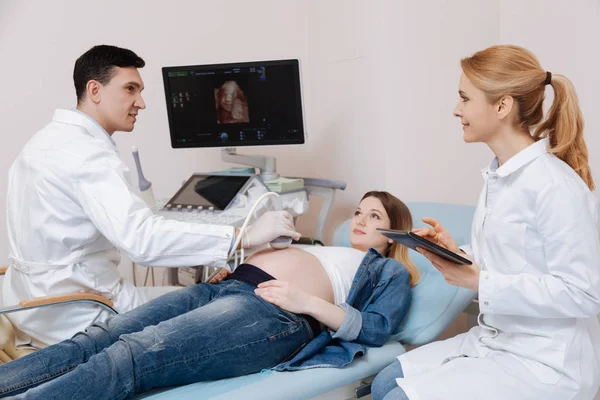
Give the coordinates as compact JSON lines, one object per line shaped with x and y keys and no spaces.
{"x":235,"y":104}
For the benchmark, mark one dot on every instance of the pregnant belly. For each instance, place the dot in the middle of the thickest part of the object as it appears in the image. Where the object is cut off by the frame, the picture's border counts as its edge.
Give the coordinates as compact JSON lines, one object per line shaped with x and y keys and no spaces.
{"x":298,"y":267}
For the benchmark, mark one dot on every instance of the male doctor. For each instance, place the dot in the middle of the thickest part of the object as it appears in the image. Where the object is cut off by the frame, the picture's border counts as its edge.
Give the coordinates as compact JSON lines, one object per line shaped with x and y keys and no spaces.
{"x":70,"y":210}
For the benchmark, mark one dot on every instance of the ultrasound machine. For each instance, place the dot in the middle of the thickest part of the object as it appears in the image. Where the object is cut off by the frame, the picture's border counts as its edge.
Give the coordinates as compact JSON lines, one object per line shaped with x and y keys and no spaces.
{"x":228,"y":106}
{"x":234,"y":105}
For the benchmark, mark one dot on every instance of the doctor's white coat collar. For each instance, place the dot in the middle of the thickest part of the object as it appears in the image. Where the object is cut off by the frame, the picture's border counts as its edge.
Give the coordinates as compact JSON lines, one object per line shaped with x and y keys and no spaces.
{"x":519,"y":160}
{"x":76,"y":117}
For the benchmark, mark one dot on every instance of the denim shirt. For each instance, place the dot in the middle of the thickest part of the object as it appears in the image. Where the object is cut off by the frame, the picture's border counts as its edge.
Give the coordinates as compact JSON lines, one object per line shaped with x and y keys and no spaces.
{"x":378,"y":300}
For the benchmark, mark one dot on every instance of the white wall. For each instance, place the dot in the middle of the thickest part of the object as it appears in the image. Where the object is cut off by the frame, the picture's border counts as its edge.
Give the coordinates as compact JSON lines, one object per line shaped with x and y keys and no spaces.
{"x":385,"y":75}
{"x":380,"y":80}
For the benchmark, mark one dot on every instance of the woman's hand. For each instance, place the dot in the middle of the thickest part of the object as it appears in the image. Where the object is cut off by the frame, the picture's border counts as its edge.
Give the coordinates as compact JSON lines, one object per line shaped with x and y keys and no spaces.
{"x":437,"y":234}
{"x":466,"y":276}
{"x":285,"y":295}
{"x":222,"y":274}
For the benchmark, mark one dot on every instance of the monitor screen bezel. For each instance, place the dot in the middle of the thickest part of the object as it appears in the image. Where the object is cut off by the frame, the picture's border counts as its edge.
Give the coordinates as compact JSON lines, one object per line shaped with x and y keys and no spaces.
{"x":299,"y":100}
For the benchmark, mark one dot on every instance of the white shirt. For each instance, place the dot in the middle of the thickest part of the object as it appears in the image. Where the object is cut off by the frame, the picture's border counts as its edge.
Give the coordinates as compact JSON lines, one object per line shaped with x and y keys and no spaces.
{"x":70,"y":212}
{"x":535,"y":238}
{"x":341,"y":264}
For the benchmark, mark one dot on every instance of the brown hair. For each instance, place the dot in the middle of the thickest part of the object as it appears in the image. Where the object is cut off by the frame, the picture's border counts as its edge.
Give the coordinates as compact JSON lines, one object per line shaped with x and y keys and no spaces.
{"x":401,"y":219}
{"x":508,"y":70}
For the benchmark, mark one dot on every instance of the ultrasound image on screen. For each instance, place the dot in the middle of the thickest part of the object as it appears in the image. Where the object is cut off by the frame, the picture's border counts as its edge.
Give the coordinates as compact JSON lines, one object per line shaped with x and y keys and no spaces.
{"x":234,"y":104}
{"x":231,"y":104}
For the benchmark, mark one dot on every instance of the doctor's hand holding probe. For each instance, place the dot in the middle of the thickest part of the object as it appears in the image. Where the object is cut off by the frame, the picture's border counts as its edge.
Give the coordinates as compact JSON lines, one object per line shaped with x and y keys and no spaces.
{"x":534,"y":245}
{"x":260,"y":233}
{"x":71,"y":212}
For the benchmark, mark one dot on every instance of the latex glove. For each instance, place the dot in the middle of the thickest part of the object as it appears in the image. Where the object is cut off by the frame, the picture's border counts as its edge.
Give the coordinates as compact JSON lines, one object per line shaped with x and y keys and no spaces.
{"x":269,"y":226}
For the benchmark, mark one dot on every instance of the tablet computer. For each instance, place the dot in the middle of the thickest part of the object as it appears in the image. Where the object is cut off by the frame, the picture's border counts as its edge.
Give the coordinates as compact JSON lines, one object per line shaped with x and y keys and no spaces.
{"x":412,"y":240}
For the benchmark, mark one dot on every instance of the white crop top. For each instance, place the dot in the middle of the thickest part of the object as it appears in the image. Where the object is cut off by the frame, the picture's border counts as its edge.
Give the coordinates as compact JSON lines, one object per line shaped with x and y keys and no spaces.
{"x":341,"y":264}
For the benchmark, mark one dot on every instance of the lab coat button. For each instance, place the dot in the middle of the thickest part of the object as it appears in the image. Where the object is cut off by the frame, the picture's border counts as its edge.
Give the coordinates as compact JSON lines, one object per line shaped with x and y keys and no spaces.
{"x":486,"y":303}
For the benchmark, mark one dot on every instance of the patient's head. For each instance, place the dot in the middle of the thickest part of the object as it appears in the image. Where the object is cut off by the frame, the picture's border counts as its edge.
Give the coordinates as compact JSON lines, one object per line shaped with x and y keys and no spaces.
{"x":382,"y":210}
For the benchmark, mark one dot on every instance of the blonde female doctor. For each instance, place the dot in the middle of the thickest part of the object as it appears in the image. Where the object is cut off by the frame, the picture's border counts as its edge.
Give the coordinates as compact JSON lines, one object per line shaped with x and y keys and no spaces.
{"x":535,"y":248}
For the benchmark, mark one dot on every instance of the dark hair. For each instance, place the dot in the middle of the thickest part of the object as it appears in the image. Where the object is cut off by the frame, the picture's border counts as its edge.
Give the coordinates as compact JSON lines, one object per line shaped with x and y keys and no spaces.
{"x":400,"y":219}
{"x":98,"y":64}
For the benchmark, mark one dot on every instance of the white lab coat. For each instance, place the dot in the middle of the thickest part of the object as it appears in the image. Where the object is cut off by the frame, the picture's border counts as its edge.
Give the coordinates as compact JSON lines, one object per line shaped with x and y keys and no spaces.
{"x":535,"y":237}
{"x":70,"y":212}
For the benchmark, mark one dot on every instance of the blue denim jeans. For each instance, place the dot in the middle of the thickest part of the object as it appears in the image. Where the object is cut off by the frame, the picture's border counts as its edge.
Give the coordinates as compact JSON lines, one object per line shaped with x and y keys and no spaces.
{"x":384,"y":387}
{"x":199,"y":333}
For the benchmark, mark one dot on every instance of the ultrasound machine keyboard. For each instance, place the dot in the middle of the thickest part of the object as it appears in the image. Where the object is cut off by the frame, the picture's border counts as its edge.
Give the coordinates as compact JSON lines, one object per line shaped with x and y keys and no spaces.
{"x":204,"y":217}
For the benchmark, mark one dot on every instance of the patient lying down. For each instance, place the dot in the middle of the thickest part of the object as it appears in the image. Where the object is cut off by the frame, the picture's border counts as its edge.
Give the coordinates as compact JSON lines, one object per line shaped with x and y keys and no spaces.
{"x":269,"y":313}
{"x":327,"y":272}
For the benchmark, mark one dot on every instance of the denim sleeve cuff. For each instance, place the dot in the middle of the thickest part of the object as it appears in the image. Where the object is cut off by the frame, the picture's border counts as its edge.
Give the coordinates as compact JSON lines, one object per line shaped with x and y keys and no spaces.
{"x":351,"y":325}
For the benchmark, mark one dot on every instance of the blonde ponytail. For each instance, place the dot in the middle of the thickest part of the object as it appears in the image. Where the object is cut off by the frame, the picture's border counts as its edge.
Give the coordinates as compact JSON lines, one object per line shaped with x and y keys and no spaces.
{"x":564,"y":129}
{"x":508,"y":70}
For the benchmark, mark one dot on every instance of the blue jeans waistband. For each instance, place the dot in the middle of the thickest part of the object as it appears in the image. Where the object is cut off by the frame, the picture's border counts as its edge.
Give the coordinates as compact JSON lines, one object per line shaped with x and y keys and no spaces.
{"x":253,"y":275}
{"x":250,"y":274}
